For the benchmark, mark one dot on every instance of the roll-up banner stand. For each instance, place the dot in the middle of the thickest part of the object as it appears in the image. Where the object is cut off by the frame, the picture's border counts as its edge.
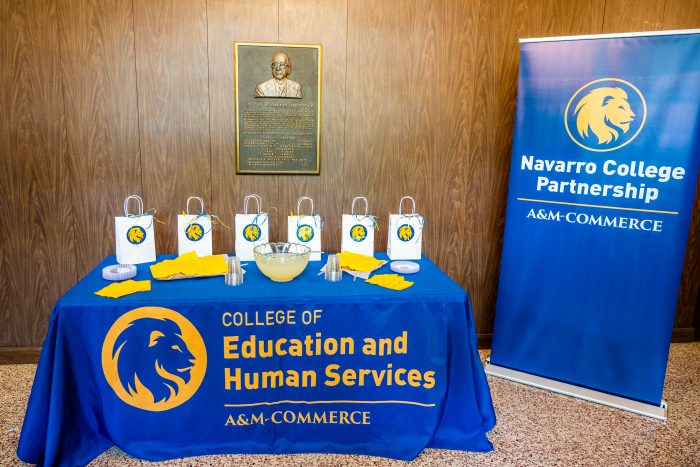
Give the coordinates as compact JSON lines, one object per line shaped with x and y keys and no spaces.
{"x":602,"y":182}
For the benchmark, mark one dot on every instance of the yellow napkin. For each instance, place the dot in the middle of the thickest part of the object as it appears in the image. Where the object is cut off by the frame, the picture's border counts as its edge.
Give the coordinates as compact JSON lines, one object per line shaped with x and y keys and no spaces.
{"x":119,"y":289}
{"x":390,"y":281}
{"x":190,"y":264}
{"x":358,"y":262}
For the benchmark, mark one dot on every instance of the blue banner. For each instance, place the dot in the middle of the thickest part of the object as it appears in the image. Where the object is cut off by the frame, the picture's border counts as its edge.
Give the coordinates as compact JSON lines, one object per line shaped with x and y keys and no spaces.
{"x":603,"y":174}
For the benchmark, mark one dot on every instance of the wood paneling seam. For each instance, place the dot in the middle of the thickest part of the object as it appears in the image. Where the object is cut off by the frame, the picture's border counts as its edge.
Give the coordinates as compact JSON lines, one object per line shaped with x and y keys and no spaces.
{"x":138,"y":109}
{"x":65,"y":140}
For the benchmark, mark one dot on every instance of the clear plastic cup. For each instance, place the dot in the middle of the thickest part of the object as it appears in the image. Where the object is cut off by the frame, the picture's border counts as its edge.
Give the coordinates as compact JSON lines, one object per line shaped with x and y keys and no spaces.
{"x":333,"y":273}
{"x":234,"y":275}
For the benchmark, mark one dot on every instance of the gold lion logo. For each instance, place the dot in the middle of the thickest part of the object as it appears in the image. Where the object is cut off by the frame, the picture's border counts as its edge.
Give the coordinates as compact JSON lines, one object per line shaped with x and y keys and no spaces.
{"x":405,"y":232}
{"x":600,"y":117}
{"x":153,"y":358}
{"x":358,"y":233}
{"x":136,"y":235}
{"x":251,"y":232}
{"x":603,"y":111}
{"x":194,"y":232}
{"x":305,"y":233}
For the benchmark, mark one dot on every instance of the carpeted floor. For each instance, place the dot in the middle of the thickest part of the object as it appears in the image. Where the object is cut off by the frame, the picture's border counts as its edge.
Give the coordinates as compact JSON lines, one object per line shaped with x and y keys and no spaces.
{"x":535,"y":427}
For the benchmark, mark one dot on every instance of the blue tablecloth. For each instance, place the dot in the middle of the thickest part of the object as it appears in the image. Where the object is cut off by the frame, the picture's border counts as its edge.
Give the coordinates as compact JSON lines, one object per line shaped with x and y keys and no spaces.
{"x":195,"y":367}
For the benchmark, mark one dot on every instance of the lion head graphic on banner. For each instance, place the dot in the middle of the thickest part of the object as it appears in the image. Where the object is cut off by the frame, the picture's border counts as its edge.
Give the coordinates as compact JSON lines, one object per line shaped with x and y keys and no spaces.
{"x":153,"y":358}
{"x":605,"y":114}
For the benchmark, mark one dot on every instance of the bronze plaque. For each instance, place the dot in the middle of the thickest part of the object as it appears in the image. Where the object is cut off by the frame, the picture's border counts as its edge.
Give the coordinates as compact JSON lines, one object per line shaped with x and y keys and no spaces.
{"x":278,"y":108}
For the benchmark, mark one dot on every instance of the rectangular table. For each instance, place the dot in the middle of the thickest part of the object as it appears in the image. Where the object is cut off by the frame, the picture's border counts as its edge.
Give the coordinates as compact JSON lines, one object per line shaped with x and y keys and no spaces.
{"x":195,"y":367}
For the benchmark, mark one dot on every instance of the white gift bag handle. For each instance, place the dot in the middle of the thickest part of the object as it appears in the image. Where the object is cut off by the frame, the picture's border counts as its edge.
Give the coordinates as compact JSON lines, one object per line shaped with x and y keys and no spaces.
{"x":311,"y":213}
{"x":201,"y":204}
{"x":258,"y":201}
{"x":413,"y":211}
{"x":352,"y":210}
{"x":139,"y":203}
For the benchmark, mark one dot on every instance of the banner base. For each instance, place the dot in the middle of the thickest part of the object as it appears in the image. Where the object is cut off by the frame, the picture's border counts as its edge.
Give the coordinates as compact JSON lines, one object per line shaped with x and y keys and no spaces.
{"x":641,"y":408}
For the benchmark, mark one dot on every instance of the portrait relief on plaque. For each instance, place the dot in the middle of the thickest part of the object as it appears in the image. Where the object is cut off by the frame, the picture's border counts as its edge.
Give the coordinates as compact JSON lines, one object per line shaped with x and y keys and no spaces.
{"x":278,"y":108}
{"x":279,"y":85}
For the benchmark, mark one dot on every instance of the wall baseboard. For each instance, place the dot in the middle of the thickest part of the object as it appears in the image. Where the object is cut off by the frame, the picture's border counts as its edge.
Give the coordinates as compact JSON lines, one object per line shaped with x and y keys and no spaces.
{"x":483,"y":341}
{"x":17,"y":355}
{"x":683,"y":335}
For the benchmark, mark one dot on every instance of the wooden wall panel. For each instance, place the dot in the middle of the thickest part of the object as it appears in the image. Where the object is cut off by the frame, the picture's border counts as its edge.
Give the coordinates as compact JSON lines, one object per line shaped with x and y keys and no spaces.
{"x":38,"y":254}
{"x":685,"y":14}
{"x":491,"y":134}
{"x":172,"y":68}
{"x":99,"y":82}
{"x":681,"y":14}
{"x":444,"y":41}
{"x":633,"y":15}
{"x":418,"y":68}
{"x":377,"y":119}
{"x":229,"y":21}
{"x":688,"y":307}
{"x":562,"y":18}
{"x":424,"y":154}
{"x":300,"y":25}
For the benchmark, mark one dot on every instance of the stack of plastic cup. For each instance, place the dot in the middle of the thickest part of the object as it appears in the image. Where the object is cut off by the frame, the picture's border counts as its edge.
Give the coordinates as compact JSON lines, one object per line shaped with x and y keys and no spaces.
{"x":234,"y":275}
{"x":333,"y":273}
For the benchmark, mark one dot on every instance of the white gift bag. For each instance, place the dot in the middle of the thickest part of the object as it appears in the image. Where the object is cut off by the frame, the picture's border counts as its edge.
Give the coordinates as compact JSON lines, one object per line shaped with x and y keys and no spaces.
{"x":306,"y":229}
{"x":251,"y":229}
{"x":194,"y":230}
{"x":135,"y":235}
{"x":358,"y":230}
{"x":405,"y":233}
